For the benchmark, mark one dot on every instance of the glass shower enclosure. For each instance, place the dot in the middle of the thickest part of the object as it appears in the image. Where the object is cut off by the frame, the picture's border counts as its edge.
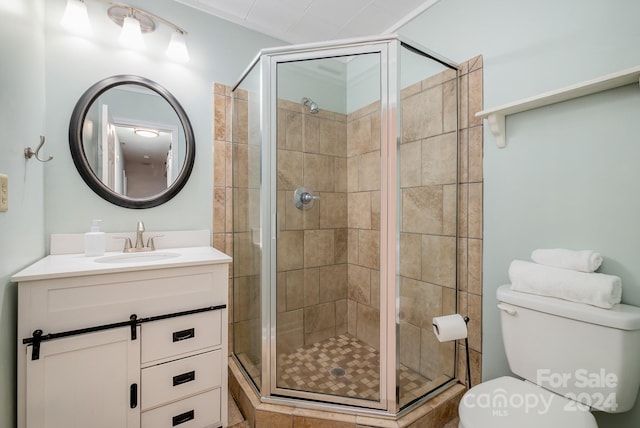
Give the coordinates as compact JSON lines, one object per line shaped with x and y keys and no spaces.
{"x":345,"y":222}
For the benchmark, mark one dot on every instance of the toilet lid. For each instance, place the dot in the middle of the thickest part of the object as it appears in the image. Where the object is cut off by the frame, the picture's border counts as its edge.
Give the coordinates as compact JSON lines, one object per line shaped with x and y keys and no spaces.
{"x":507,"y":402}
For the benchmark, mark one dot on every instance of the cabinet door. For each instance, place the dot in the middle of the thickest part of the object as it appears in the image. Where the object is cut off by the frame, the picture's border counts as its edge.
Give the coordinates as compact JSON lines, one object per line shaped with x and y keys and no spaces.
{"x":85,"y":381}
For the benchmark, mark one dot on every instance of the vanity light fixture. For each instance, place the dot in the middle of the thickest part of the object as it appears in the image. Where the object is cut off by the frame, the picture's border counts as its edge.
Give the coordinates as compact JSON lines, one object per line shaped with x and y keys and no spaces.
{"x":134,"y":22}
{"x":147,"y":133}
{"x":75,"y":18}
{"x":131,"y":34}
{"x":177,"y":49}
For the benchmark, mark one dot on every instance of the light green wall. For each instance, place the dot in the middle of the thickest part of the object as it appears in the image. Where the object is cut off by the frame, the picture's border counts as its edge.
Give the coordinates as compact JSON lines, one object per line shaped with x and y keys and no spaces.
{"x":21,"y":124}
{"x":219,"y":51}
{"x":44,"y":71}
{"x":569,"y":175}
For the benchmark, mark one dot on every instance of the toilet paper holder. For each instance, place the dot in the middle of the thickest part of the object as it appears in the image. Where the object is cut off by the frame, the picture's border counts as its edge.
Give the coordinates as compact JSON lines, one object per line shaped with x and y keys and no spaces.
{"x":466,"y":347}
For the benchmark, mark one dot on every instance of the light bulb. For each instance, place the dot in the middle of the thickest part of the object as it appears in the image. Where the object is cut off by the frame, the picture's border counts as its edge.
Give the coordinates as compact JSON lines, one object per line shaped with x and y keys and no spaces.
{"x":131,"y":35}
{"x":177,"y":49}
{"x":75,"y":18}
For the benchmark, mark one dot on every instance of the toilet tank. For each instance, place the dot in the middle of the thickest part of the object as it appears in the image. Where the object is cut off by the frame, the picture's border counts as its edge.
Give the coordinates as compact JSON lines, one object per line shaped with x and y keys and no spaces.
{"x":588,"y":354}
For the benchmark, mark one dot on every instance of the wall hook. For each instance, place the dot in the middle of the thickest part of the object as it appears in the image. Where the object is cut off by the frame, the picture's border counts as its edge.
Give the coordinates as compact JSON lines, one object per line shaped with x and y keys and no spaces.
{"x":28,"y":152}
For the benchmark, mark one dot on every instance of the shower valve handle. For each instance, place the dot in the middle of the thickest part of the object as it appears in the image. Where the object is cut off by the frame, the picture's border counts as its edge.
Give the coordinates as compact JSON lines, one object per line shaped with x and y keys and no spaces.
{"x":303,"y":199}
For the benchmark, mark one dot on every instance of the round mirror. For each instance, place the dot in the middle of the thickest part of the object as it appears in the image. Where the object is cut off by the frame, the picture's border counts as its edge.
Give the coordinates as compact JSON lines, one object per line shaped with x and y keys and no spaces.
{"x":131,"y":141}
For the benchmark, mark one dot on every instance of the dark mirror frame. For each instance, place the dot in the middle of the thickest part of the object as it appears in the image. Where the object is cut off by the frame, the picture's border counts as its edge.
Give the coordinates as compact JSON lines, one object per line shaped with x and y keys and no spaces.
{"x":79,"y":157}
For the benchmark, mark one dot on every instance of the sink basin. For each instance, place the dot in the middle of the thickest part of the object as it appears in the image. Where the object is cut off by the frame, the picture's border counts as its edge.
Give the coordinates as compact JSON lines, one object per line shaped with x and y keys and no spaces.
{"x":137,"y":257}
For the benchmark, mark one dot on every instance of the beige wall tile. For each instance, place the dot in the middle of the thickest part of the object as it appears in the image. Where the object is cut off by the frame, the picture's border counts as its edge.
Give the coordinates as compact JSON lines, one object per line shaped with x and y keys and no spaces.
{"x":369,"y":171}
{"x":294,"y":131}
{"x":369,"y":252}
{"x":295,"y":289}
{"x":422,"y":115}
{"x":463,"y":107}
{"x":368,"y":329}
{"x":340,"y":168}
{"x":375,"y":210}
{"x":463,"y":210}
{"x":319,"y":247}
{"x":311,"y":133}
{"x":422,"y":209}
{"x":410,"y":90}
{"x":463,"y":156}
{"x":475,"y":210}
{"x":333,"y":283}
{"x":375,"y":289}
{"x":290,"y":254}
{"x":290,"y":170}
{"x":411,"y":164}
{"x":352,"y":174}
{"x":449,"y":209}
{"x":241,"y":123}
{"x":475,"y":154}
{"x":341,"y":237}
{"x":318,"y":173}
{"x":411,"y":255}
{"x":475,"y":97}
{"x":219,"y":163}
{"x":311,"y":286}
{"x":359,"y":283}
{"x":475,"y":266}
{"x":410,"y":346}
{"x":449,"y":105}
{"x":319,"y":317}
{"x":219,"y":209}
{"x":341,"y":316}
{"x":352,"y":316}
{"x":352,"y":245}
{"x":419,"y":302}
{"x":220,"y":117}
{"x":436,"y":358}
{"x":359,"y":210}
{"x":281,"y":292}
{"x":439,"y":159}
{"x":290,"y":334}
{"x":475,"y":323}
{"x":448,"y":301}
{"x":333,"y":210}
{"x":462,"y":263}
{"x":439,"y":260}
{"x":358,"y":136}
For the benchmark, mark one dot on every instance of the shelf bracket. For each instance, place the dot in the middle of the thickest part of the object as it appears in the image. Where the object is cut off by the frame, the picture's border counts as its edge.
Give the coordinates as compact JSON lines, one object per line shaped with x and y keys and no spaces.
{"x":497,"y":125}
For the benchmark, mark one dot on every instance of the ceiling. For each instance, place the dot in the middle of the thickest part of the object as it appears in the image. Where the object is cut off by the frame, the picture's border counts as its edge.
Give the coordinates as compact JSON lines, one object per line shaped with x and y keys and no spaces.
{"x":302,"y":21}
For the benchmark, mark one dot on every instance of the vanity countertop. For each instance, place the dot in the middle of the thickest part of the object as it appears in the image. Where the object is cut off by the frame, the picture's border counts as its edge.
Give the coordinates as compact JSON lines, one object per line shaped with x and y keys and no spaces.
{"x":70,"y":265}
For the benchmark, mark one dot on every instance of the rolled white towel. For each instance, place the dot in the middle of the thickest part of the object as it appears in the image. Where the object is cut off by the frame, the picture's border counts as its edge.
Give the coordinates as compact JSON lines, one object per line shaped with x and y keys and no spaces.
{"x":580,"y":260}
{"x":595,"y":289}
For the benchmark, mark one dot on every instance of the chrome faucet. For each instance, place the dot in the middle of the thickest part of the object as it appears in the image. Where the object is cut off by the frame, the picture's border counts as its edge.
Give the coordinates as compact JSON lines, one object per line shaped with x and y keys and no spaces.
{"x":139,"y":246}
{"x":139,"y":239}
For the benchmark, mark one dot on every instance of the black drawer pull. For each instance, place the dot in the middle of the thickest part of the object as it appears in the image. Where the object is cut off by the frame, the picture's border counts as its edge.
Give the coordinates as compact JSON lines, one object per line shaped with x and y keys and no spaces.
{"x":184,"y":378}
{"x":184,"y":334}
{"x":184,"y":417}
{"x":133,"y":395}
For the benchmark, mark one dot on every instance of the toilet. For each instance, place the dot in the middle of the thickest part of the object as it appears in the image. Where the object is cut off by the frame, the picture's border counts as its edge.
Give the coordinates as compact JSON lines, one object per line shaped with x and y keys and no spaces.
{"x":574,"y":359}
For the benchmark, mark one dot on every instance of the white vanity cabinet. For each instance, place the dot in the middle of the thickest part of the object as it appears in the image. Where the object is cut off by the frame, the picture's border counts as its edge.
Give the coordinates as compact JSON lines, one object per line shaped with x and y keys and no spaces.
{"x":123,"y":344}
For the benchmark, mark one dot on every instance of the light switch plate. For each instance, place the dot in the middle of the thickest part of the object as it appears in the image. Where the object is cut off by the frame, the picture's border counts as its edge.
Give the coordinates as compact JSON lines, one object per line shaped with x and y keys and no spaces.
{"x":4,"y":193}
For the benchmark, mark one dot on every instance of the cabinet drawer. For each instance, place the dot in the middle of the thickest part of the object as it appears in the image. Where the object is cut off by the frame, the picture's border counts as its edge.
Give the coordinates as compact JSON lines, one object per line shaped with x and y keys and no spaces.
{"x":188,"y":376}
{"x":179,"y":335}
{"x":200,"y":411}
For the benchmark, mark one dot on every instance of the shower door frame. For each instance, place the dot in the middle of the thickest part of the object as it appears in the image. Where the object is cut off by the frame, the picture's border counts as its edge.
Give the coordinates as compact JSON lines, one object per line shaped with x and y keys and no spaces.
{"x":387,"y":49}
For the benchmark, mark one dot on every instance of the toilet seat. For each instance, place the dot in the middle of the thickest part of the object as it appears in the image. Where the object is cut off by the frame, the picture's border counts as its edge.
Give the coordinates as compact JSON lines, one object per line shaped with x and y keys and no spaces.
{"x":507,"y":402}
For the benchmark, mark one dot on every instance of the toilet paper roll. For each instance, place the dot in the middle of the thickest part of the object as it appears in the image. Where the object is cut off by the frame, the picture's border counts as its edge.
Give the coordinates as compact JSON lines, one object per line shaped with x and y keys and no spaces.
{"x":450,"y":327}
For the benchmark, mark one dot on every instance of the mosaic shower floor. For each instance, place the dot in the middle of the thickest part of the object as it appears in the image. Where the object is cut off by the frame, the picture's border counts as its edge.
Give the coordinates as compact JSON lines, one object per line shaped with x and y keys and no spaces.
{"x":342,"y":366}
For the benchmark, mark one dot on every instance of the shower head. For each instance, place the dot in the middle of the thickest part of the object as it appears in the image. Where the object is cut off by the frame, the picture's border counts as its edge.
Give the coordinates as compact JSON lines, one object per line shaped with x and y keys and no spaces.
{"x":313,"y":107}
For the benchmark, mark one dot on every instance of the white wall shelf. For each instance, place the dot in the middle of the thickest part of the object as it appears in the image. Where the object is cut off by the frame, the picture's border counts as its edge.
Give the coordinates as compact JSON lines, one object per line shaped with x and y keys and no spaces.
{"x":496,"y":117}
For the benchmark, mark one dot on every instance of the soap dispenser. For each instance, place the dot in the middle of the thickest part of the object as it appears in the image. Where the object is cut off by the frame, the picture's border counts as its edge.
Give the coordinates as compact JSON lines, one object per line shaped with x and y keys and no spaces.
{"x":94,"y":241}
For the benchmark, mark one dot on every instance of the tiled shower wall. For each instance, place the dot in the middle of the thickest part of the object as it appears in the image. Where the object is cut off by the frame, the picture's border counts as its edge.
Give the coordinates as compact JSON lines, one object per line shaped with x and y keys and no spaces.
{"x":312,"y":247}
{"x":303,"y":304}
